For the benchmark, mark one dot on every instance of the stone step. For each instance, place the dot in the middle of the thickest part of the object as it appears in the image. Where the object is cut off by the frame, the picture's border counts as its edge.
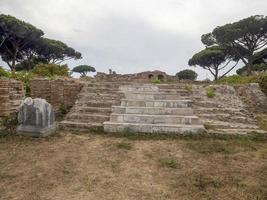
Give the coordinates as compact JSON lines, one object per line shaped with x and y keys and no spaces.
{"x":172,"y":86}
{"x":79,"y":126}
{"x":153,"y":95}
{"x":229,"y":125}
{"x":202,"y":110}
{"x":100,"y":90}
{"x":85,"y":109}
{"x":154,"y":119}
{"x":96,"y":96}
{"x":208,"y":104}
{"x":227,"y":117}
{"x":87,"y":117}
{"x":175,"y":91}
{"x":237,"y":131}
{"x":95,"y":103}
{"x":139,"y":88}
{"x":156,"y":103}
{"x":152,"y":110}
{"x":105,"y":84}
{"x":114,"y":127}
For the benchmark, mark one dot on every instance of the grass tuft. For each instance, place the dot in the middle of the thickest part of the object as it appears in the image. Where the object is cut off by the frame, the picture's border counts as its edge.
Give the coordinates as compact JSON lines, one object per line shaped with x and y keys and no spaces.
{"x":168,"y":162}
{"x":124,"y":145}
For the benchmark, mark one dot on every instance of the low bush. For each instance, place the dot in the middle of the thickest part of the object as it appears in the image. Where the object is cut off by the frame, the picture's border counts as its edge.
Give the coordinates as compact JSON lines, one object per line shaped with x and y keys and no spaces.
{"x":156,"y":81}
{"x":210,"y":92}
{"x":50,"y":70}
{"x":26,"y":78}
{"x":187,"y":75}
{"x":4,"y":72}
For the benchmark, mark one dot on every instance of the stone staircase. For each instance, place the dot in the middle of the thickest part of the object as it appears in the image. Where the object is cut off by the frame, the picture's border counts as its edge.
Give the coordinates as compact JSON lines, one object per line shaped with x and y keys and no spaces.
{"x":225,"y":113}
{"x":93,"y":106}
{"x":151,"y":108}
{"x":159,"y":108}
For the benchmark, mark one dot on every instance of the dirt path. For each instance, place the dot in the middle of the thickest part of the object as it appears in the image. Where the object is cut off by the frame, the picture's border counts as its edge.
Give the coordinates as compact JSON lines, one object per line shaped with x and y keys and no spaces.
{"x":88,"y":166}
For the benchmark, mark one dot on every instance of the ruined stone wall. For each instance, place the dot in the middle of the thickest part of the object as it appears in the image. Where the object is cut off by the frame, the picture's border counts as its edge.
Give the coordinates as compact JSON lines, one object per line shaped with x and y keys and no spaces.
{"x":144,"y":77}
{"x":57,"y":92}
{"x":11,"y":95}
{"x":253,"y":97}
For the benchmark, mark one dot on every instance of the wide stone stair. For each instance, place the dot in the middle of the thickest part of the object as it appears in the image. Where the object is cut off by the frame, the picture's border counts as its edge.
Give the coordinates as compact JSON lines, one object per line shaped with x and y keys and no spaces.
{"x":149,"y":108}
{"x":93,"y":106}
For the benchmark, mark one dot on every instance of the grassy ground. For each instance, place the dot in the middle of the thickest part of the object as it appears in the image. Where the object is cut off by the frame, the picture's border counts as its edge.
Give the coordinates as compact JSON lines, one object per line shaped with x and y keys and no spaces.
{"x":94,"y":166}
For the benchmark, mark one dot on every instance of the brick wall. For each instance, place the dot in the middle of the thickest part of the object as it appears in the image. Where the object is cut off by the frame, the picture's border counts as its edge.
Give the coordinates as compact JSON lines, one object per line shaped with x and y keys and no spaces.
{"x":57,"y":92}
{"x":11,"y":95}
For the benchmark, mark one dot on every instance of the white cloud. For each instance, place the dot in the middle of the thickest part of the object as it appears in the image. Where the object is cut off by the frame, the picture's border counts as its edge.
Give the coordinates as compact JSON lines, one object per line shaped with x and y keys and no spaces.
{"x":132,"y":35}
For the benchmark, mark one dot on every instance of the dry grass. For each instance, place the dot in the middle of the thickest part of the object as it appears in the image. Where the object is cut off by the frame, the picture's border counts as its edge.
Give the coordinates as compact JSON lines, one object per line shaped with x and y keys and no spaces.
{"x":89,"y":166}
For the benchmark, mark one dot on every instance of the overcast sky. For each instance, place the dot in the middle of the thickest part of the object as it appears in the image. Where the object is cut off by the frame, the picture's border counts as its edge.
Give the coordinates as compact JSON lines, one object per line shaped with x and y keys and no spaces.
{"x":132,"y":35}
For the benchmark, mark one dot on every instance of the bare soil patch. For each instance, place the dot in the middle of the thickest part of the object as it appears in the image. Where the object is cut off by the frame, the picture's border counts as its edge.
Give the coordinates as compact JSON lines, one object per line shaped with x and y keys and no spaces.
{"x":89,"y":166}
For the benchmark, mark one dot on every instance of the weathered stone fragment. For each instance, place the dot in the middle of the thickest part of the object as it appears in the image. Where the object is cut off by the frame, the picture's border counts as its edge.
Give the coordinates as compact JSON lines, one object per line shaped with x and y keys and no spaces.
{"x":36,"y":118}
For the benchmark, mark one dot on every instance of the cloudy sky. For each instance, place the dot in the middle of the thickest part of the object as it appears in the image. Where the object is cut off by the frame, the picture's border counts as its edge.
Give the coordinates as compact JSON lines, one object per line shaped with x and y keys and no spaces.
{"x":132,"y":35}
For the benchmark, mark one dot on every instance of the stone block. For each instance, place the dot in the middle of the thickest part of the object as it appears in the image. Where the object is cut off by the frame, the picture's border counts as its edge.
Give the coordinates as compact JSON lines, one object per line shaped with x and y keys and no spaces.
{"x":36,"y":118}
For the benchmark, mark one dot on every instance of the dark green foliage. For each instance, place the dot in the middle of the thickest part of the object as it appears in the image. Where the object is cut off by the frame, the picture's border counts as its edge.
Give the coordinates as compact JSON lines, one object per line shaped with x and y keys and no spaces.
{"x":83,"y":69}
{"x":260,"y":57}
{"x":22,"y":45}
{"x":10,"y":122}
{"x":187,"y":75}
{"x":19,"y":38}
{"x":256,"y":67}
{"x":50,"y":70}
{"x":214,"y":59}
{"x":244,"y":38}
{"x":54,"y":51}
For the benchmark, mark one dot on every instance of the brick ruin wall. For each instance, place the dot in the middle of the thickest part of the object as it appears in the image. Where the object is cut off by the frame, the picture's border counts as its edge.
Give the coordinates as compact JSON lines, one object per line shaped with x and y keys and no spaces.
{"x":57,"y":92}
{"x":11,"y":95}
{"x":144,"y":77}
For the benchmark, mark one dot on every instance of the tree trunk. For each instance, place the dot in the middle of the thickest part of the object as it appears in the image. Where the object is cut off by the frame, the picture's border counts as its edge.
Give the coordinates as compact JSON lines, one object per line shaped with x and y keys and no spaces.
{"x":13,"y":63}
{"x":216,"y":73}
{"x":249,"y":66}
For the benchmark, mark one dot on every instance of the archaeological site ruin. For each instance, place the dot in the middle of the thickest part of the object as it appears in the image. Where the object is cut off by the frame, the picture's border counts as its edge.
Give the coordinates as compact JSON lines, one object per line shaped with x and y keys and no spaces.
{"x":134,"y":104}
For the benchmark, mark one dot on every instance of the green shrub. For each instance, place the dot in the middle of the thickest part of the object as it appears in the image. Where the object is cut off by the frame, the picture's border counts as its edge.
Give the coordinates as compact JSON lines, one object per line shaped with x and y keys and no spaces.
{"x":4,"y":72}
{"x":156,"y":81}
{"x":262,"y":80}
{"x":10,"y":122}
{"x":188,"y":87}
{"x":236,"y":79}
{"x":26,"y":78}
{"x":210,"y":92}
{"x":50,"y":70}
{"x":187,"y":75}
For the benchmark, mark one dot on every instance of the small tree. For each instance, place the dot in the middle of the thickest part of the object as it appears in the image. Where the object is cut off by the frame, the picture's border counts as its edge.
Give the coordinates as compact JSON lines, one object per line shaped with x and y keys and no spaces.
{"x":214,"y":59}
{"x":187,"y":75}
{"x":83,"y":69}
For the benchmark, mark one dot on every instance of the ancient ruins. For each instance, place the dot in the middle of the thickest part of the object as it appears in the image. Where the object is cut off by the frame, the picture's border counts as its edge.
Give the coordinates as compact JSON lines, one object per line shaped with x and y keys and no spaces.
{"x":133,"y":103}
